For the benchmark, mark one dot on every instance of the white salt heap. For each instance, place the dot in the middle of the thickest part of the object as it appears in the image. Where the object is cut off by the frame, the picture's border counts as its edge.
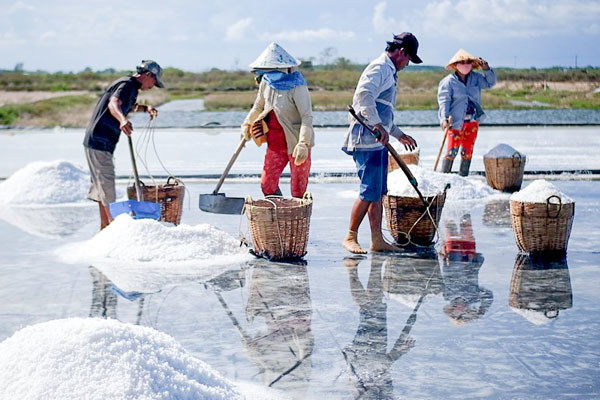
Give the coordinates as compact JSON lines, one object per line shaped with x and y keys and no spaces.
{"x":85,"y":358}
{"x":538,"y":191}
{"x":46,"y":183}
{"x":502,"y":151}
{"x":431,"y":183}
{"x":146,"y":240}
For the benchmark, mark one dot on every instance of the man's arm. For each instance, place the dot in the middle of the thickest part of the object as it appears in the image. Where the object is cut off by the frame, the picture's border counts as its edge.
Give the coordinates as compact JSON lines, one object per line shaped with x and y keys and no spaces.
{"x":114,"y":107}
{"x":145,"y":108}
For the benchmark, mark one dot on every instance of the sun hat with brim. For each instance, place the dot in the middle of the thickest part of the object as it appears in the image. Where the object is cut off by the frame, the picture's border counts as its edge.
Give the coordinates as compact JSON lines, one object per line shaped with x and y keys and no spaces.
{"x":463,"y":55}
{"x":274,"y":56}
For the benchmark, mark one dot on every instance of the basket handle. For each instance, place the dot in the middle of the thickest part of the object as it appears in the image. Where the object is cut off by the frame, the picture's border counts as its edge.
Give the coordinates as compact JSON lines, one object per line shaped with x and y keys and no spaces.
{"x":516,"y":159}
{"x":307,"y":196}
{"x":551,"y":314}
{"x":174,"y":179}
{"x":559,"y":204}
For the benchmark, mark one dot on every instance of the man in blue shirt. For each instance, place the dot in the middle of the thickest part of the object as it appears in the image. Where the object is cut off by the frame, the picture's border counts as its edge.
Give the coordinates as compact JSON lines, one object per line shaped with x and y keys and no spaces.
{"x":375,"y":100}
{"x":108,"y":120}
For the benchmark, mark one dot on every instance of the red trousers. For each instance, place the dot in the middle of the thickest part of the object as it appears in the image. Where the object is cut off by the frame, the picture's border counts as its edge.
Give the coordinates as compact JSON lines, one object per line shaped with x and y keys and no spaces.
{"x":277,"y":158}
{"x":464,"y":138}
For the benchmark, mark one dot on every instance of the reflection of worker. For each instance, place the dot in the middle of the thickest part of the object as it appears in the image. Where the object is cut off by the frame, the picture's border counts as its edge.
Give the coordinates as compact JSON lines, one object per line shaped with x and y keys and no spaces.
{"x":103,"y":131}
{"x":459,"y":97}
{"x":461,"y":263}
{"x":283,"y":107}
{"x":279,"y":293}
{"x":104,"y":300}
{"x":367,"y":355}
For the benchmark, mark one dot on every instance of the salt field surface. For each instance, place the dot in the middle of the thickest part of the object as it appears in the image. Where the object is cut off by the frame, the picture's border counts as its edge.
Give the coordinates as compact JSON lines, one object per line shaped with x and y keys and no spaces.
{"x":425,"y":323}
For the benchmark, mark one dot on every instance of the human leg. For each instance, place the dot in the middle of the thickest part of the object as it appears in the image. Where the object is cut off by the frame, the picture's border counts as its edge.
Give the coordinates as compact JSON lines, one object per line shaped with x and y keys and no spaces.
{"x":299,"y":176}
{"x":468,"y":136}
{"x":378,"y":243}
{"x":359,"y":210}
{"x":102,"y":188}
{"x":275,"y":162}
{"x":452,"y":151}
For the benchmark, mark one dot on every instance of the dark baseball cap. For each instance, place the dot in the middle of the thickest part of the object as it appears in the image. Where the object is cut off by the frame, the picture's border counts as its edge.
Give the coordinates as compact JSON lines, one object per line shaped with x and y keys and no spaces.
{"x":409,"y":42}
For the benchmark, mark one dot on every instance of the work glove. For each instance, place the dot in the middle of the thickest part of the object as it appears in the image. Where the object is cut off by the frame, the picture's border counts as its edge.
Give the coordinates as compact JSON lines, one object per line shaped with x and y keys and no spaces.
{"x":300,"y":153}
{"x":246,"y":134}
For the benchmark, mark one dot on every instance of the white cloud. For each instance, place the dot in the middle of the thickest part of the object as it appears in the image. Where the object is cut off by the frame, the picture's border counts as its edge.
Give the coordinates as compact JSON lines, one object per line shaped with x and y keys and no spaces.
{"x":238,"y":30}
{"x":485,"y":19}
{"x":48,"y":36}
{"x":384,"y":24}
{"x":20,"y":6}
{"x":309,"y":35}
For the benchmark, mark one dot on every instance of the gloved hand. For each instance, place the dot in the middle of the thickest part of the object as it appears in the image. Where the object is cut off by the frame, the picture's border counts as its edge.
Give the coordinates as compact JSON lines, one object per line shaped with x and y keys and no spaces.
{"x":300,"y":153}
{"x":246,"y":134}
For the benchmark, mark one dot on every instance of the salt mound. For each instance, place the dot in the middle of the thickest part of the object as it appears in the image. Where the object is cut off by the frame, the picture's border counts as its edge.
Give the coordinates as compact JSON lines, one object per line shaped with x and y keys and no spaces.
{"x":147,"y":240}
{"x":538,"y":191}
{"x":43,"y":182}
{"x":502,"y":151}
{"x":85,"y":358}
{"x":431,"y":183}
{"x":400,"y":149}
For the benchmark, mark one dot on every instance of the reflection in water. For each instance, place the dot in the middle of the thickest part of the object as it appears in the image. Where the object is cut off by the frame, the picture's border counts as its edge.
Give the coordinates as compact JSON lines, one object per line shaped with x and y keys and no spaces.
{"x":279,"y":294}
{"x":467,"y":301}
{"x":367,"y":356}
{"x":104,"y":299}
{"x":540,"y":288}
{"x":496,"y":214}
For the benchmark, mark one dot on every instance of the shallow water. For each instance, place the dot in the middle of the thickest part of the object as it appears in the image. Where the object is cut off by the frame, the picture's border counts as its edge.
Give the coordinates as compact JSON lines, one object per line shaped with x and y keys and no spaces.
{"x":190,"y":113}
{"x":384,"y":326}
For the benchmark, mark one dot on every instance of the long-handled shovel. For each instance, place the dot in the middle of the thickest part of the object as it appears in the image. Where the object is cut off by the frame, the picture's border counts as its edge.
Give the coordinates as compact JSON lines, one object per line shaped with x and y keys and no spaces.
{"x":443,"y":142}
{"x":137,"y":208}
{"x":392,"y":151}
{"x":218,"y":203}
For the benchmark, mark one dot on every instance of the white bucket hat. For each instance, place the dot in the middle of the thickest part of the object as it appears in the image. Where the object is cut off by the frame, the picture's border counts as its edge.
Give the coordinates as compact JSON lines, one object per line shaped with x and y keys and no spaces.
{"x":274,"y":56}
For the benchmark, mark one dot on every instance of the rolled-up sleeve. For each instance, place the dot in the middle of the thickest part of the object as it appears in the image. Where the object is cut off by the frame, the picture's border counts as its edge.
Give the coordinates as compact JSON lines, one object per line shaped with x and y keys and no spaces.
{"x":301,"y":98}
{"x":367,"y":92}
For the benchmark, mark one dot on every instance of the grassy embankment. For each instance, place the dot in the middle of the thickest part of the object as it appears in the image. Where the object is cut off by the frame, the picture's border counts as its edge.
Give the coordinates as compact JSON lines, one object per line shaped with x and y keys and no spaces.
{"x":331,"y":89}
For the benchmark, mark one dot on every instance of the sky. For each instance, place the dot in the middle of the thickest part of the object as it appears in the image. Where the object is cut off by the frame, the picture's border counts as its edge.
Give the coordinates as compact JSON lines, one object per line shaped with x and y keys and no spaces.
{"x":196,"y":35}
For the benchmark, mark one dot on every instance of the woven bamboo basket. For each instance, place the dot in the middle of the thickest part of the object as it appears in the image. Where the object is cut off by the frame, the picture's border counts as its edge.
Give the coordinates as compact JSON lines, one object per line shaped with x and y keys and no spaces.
{"x":408,"y":220}
{"x":408,"y":158}
{"x":279,"y":226}
{"x":505,"y":174}
{"x":541,"y":285}
{"x":542,"y":227}
{"x":170,"y":196}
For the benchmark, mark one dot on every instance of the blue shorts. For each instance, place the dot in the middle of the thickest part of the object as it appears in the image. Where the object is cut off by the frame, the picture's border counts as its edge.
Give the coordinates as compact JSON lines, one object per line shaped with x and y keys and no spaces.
{"x":372,"y":170}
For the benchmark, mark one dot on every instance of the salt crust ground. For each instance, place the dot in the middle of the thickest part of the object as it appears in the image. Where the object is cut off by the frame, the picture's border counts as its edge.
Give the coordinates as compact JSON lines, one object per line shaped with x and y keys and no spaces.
{"x":88,"y":358}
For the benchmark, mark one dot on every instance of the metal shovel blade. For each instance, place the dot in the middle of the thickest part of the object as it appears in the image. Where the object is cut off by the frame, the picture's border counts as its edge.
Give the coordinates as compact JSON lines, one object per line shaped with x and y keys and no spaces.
{"x":137,"y":209}
{"x":218,"y":203}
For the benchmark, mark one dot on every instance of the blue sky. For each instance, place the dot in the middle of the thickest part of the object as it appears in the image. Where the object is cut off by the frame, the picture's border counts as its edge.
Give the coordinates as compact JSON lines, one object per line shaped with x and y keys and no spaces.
{"x":196,"y":35}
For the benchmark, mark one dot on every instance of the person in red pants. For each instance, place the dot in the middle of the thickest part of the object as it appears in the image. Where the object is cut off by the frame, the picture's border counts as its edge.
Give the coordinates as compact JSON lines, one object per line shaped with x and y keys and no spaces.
{"x":459,"y":97}
{"x":281,"y":116}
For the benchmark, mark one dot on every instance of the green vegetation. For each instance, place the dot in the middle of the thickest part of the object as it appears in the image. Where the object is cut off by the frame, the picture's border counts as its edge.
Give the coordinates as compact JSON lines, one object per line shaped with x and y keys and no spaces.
{"x":331,"y":89}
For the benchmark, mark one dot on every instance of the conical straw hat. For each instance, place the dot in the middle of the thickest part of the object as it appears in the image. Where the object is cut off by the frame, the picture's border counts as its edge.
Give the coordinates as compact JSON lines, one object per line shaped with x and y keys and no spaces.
{"x":274,"y":56}
{"x":463,"y":55}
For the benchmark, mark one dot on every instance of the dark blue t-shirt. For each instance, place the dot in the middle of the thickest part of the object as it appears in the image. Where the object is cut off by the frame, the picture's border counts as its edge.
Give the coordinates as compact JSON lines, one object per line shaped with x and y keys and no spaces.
{"x":102,"y":133}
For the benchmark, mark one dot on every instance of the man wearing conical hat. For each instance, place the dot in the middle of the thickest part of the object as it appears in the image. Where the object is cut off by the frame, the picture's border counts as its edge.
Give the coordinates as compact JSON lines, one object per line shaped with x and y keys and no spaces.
{"x":281,"y":116}
{"x":375,"y":99}
{"x":459,"y":97}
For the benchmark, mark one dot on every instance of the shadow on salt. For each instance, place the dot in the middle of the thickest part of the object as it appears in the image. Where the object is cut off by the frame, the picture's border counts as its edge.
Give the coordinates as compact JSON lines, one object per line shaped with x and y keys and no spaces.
{"x":145,"y":255}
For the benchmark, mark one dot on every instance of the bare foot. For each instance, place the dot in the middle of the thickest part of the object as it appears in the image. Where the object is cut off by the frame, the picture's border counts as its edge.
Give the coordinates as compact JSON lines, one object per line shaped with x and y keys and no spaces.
{"x":379,"y":244}
{"x":351,"y":244}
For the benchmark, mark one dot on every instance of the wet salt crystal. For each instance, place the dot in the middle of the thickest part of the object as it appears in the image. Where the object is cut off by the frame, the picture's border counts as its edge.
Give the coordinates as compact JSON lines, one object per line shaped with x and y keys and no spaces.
{"x":146,"y":240}
{"x":45,"y":183}
{"x":503,"y":151}
{"x":539,"y":191}
{"x":431,"y":183}
{"x":76,"y":357}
